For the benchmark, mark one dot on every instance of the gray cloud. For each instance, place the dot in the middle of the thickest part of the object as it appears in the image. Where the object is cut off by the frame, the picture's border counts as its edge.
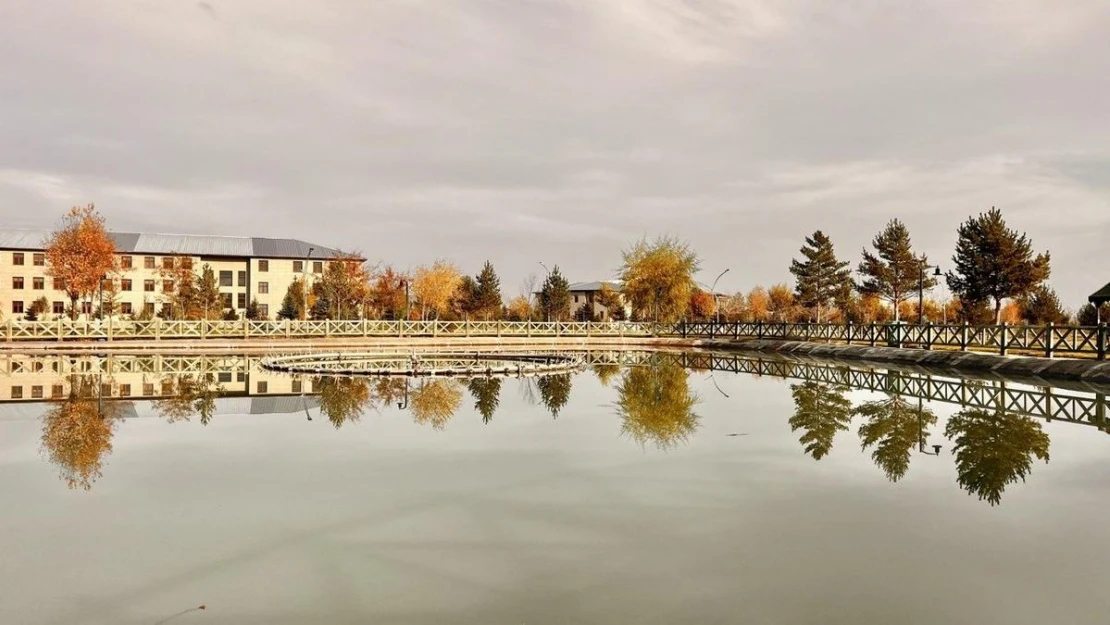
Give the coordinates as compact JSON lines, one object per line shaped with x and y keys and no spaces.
{"x":561,"y":130}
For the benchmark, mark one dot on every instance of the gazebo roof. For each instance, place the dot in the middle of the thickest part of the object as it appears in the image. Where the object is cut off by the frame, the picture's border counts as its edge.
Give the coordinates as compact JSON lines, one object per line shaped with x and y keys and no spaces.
{"x":1100,"y":296}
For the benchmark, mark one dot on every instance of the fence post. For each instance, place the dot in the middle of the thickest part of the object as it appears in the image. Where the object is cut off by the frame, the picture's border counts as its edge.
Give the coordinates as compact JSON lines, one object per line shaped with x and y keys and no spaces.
{"x":158,"y":328}
{"x":872,"y":334}
{"x":929,"y":337}
{"x":963,"y":337}
{"x":246,"y":328}
{"x":735,"y":330}
{"x":60,"y":337}
{"x":1002,"y":340}
{"x":682,"y":328}
{"x":1049,"y":336}
{"x":759,"y":329}
{"x":849,"y":331}
{"x":1102,"y":341}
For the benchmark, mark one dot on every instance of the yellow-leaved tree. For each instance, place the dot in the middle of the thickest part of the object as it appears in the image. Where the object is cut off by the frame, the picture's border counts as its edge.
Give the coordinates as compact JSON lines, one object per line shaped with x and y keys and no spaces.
{"x":80,"y":254}
{"x":658,"y":278}
{"x":434,"y":287}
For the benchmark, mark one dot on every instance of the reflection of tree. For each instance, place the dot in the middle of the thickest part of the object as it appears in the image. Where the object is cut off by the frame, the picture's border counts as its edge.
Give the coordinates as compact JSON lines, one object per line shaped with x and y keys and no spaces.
{"x":390,"y":390}
{"x":191,"y":395}
{"x":894,"y":427}
{"x":656,"y":404}
{"x":435,"y":401}
{"x":77,"y":433}
{"x":343,"y":399}
{"x":820,"y":411}
{"x":994,"y":449}
{"x":606,"y":373}
{"x":487,"y":395}
{"x":554,"y":391}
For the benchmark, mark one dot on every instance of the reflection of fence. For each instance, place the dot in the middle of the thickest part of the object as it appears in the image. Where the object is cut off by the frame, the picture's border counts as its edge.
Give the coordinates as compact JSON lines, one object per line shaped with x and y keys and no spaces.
{"x":158,"y":329}
{"x":1047,"y":340}
{"x":425,"y":364}
{"x":1045,"y":402}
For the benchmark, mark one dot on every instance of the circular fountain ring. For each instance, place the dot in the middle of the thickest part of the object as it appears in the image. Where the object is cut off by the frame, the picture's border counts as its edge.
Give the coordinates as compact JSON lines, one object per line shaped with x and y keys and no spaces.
{"x":425,"y":364}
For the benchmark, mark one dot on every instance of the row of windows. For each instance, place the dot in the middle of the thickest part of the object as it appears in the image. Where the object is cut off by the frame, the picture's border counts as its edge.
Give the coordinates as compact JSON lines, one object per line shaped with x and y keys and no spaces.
{"x":125,"y":284}
{"x":126,"y":308}
{"x":150,"y":262}
{"x":38,"y":258}
{"x":58,"y":391}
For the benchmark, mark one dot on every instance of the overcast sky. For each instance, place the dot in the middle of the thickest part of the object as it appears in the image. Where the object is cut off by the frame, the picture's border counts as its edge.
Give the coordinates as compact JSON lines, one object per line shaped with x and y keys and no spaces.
{"x":560,"y":131}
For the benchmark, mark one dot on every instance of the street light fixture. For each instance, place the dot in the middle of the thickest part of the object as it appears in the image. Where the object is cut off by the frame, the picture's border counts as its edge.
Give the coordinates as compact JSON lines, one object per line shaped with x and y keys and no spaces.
{"x":304,"y":281}
{"x":921,"y":289}
{"x":717,"y":302}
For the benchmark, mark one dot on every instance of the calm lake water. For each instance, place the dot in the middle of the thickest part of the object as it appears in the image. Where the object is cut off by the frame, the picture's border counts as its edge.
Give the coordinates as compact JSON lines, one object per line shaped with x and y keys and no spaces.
{"x":645,"y":494}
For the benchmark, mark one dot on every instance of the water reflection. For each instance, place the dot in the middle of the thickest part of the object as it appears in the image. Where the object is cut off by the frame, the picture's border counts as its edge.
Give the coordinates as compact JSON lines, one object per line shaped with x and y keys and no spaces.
{"x":656,"y":405}
{"x":190,"y":395}
{"x":820,"y":411}
{"x":994,"y":449}
{"x":434,"y":401}
{"x":487,"y":395}
{"x":77,"y":432}
{"x":893,"y":427}
{"x":652,"y":396}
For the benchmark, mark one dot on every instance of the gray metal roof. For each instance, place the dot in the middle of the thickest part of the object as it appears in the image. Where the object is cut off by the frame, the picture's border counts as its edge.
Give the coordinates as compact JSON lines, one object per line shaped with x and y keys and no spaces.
{"x":183,"y":244}
{"x":594,"y":286}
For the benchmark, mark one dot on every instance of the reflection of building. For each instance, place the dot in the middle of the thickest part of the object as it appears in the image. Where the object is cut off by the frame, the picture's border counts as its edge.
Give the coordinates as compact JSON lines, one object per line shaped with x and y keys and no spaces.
{"x":37,"y":378}
{"x":245,"y":268}
{"x":287,"y":404}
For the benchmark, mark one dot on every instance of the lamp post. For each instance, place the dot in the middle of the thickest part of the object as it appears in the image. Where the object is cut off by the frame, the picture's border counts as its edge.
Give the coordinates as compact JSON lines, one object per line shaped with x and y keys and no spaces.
{"x":546,"y":312}
{"x":717,"y":302}
{"x":405,"y":283}
{"x":921,"y":289}
{"x":304,"y":281}
{"x":921,"y":433}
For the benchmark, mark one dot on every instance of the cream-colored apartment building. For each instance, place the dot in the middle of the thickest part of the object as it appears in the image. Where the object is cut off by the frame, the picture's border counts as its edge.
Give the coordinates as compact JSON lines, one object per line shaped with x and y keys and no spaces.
{"x":246,"y":268}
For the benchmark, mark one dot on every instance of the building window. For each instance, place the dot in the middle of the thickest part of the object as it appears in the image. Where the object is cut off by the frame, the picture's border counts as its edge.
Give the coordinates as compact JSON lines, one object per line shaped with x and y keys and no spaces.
{"x":186,"y":262}
{"x":148,"y":308}
{"x":38,"y":284}
{"x":317,"y":266}
{"x":17,"y":282}
{"x":125,"y":308}
{"x":167,"y":286}
{"x":242,"y":278}
{"x":125,"y":262}
{"x":17,"y":258}
{"x":125,"y":285}
{"x":57,"y":391}
{"x":59,"y":308}
{"x":263,"y":288}
{"x":148,"y":388}
{"x":148,"y":286}
{"x":148,"y":262}
{"x":86,"y":307}
{"x":17,"y":392}
{"x":125,"y":390}
{"x":223,"y":377}
{"x":225,"y":299}
{"x":167,"y":310}
{"x":242,"y":297}
{"x":298,"y":266}
{"x":263,"y":265}
{"x":263,"y":387}
{"x":105,"y":390}
{"x":59,"y":284}
{"x":17,"y":307}
{"x":575,"y":299}
{"x":297,"y":386}
{"x":36,"y":392}
{"x":241,"y":376}
{"x":225,"y":278}
{"x":38,"y":259}
{"x":167,"y":262}
{"x":264,"y":311}
{"x":167,"y":387}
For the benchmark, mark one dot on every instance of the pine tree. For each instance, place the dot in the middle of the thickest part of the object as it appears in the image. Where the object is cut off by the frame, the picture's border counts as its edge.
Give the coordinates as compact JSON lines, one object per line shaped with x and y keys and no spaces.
{"x":465,"y":300}
{"x":894,"y":271}
{"x":994,"y":262}
{"x":289,"y":306}
{"x":820,"y":276}
{"x":254,"y":313}
{"x":487,"y":297}
{"x":1088,"y":315}
{"x":208,"y":293}
{"x":1042,"y":306}
{"x":555,"y":296}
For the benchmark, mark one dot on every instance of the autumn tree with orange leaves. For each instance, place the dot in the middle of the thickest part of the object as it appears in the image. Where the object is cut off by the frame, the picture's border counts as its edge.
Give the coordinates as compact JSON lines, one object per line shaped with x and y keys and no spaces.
{"x":80,"y":254}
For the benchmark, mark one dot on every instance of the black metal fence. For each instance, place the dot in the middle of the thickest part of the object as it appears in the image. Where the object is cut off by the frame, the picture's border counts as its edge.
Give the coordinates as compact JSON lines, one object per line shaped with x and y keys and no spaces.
{"x":1047,"y":340}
